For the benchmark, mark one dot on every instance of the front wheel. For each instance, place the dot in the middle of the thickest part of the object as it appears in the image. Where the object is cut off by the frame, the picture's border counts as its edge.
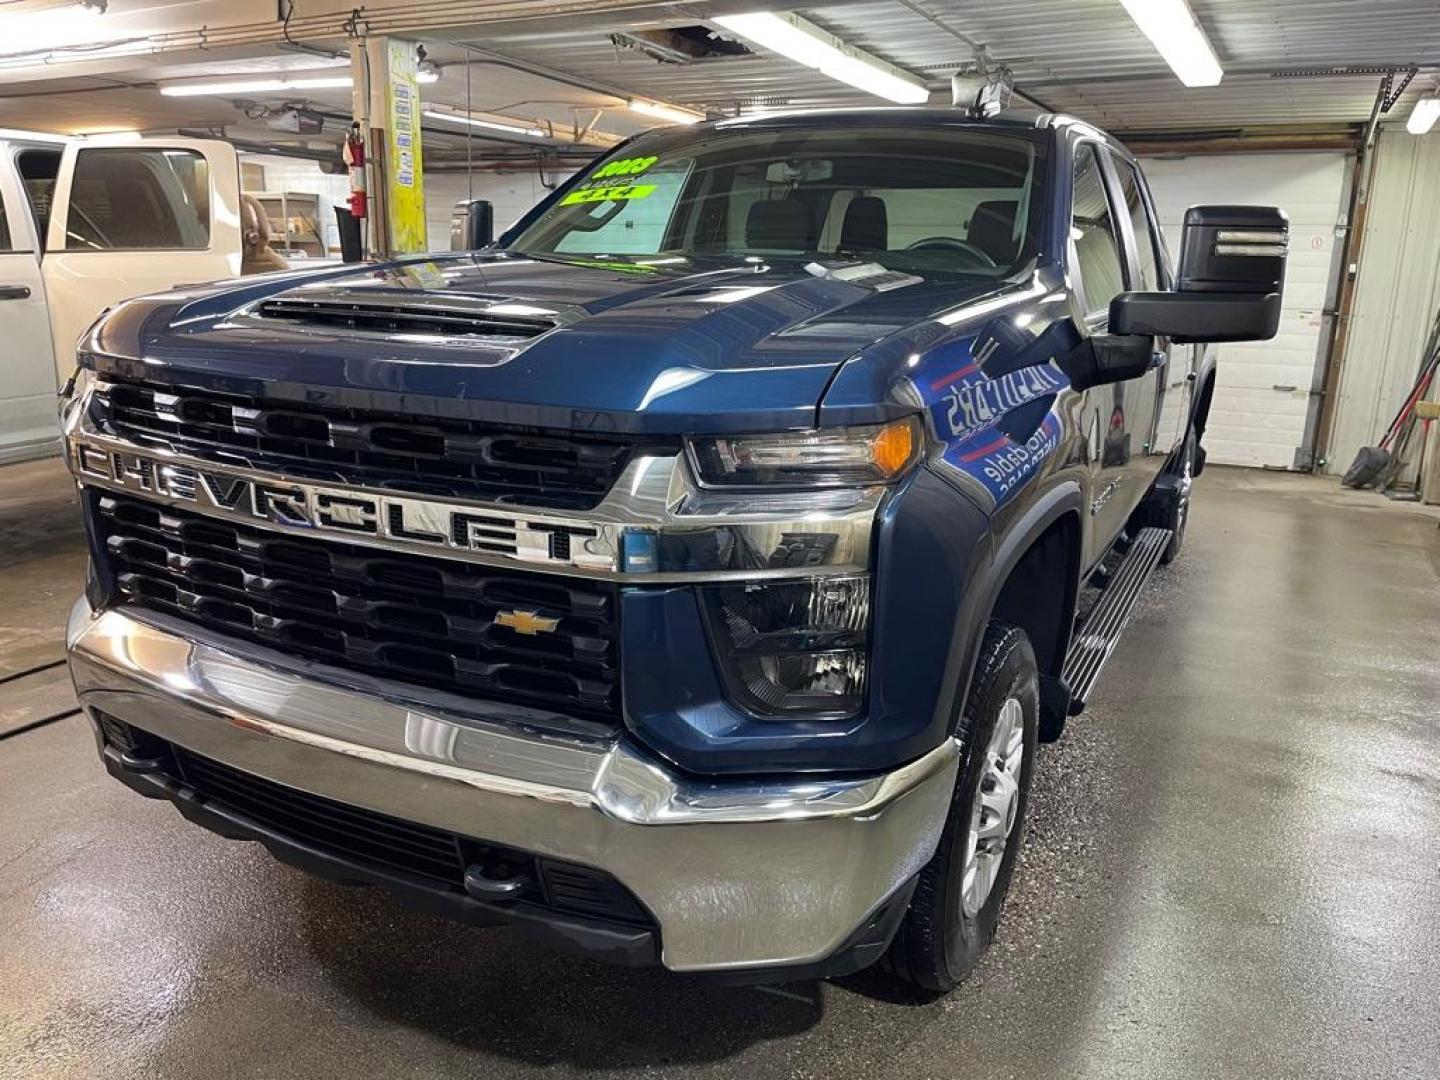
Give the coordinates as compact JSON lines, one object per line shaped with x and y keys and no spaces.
{"x":957,"y":901}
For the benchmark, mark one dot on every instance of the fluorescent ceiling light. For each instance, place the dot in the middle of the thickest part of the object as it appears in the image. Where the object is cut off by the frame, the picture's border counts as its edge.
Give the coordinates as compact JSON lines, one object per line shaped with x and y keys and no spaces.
{"x":276,"y":84}
{"x":257,"y":86}
{"x":56,"y":28}
{"x":490,"y":125}
{"x":428,"y":73}
{"x":671,"y":113}
{"x":1423,"y":115}
{"x":805,"y":43}
{"x":1177,"y":37}
{"x":864,"y":75}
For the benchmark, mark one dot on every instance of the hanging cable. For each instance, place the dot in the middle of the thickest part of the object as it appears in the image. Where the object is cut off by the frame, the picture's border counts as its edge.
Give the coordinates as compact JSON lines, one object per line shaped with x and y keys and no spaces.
{"x":469,"y":139}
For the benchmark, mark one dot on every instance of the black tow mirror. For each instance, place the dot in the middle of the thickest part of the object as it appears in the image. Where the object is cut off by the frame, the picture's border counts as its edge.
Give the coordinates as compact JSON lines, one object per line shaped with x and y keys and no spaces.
{"x":1230,"y":282}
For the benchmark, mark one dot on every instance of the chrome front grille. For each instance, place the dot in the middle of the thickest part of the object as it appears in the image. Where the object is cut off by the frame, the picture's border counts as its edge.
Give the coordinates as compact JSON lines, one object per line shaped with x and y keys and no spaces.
{"x":523,"y":637}
{"x":364,"y":447}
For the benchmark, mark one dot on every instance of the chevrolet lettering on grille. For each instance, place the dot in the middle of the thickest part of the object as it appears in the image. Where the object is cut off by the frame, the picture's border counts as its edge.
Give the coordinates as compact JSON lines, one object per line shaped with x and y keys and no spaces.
{"x":359,"y":516}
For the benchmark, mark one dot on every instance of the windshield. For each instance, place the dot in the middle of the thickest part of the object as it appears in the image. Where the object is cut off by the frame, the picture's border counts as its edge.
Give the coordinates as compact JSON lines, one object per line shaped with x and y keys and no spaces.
{"x":929,"y":201}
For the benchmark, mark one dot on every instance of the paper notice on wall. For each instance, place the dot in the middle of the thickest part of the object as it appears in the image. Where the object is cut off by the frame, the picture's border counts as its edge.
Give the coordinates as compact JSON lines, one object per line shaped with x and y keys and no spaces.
{"x":405,"y":191}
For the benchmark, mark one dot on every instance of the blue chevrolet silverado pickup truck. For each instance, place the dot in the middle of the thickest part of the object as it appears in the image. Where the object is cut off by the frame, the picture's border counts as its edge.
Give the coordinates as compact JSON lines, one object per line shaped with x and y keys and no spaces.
{"x":687,"y":577}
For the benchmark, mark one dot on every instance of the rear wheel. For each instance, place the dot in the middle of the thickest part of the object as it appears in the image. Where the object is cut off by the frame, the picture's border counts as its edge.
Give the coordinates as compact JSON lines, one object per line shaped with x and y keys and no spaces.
{"x":957,"y":902}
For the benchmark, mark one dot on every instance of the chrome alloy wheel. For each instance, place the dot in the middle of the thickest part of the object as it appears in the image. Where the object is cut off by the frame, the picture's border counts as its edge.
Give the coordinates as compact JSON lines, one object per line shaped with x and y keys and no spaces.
{"x":992,"y":814}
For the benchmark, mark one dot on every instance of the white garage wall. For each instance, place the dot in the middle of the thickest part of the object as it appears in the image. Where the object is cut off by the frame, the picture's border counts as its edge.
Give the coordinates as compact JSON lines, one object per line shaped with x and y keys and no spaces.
{"x":1263,"y":389}
{"x":1396,"y":294}
{"x":304,"y":177}
{"x":510,"y":193}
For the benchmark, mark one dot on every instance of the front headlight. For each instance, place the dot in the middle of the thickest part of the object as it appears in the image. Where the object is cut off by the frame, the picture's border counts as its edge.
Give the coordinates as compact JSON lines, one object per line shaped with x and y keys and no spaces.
{"x":790,"y":648}
{"x":836,"y":457}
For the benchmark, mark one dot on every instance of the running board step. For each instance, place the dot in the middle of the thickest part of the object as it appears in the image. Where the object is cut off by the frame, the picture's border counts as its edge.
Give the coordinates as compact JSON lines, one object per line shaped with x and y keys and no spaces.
{"x":1095,"y":639}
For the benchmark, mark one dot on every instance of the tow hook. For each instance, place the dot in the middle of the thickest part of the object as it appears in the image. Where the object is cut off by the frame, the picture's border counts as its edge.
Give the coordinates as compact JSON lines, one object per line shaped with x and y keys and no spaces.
{"x":493,"y":884}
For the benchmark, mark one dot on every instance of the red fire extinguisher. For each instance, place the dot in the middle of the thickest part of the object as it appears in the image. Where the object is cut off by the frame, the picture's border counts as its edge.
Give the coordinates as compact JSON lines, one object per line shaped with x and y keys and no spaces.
{"x":354,"y":155}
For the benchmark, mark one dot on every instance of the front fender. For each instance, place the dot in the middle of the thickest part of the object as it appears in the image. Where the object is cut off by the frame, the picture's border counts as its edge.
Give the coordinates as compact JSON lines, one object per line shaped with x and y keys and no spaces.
{"x":1040,"y":511}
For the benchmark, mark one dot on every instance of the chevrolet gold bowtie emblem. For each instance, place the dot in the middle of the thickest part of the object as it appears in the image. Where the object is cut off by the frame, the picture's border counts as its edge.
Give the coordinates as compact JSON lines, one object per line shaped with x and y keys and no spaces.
{"x":527,"y":622}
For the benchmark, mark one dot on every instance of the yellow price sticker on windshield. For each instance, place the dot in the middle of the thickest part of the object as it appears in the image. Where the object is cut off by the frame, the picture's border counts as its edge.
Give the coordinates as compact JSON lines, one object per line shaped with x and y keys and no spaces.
{"x":624,"y":167}
{"x":620,"y":182}
{"x":608,"y":193}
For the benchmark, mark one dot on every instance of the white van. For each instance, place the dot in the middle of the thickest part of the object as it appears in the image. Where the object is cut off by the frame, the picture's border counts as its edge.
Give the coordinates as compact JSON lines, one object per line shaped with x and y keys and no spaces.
{"x":87,"y":222}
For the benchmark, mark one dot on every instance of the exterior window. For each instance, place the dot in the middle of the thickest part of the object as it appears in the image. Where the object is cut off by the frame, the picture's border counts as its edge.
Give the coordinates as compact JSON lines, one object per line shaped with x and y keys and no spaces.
{"x":944,"y":202}
{"x":38,"y":169}
{"x":5,"y":244}
{"x":1092,"y":228}
{"x":127,"y":200}
{"x":1140,"y":223}
{"x":632,"y":226}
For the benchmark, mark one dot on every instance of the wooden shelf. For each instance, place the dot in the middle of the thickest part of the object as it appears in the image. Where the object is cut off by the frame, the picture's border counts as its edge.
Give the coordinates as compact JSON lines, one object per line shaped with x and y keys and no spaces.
{"x":295,"y":222}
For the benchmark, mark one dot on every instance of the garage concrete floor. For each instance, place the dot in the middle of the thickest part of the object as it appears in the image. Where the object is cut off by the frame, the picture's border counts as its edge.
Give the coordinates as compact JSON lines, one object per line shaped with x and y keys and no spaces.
{"x":1231,"y":869}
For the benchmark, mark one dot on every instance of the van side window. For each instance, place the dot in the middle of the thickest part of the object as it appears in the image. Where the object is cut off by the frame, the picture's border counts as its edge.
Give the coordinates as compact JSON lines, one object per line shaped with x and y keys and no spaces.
{"x":1146,"y":235}
{"x":38,"y":169}
{"x":5,"y":243}
{"x":1092,"y":228}
{"x":129,"y":199}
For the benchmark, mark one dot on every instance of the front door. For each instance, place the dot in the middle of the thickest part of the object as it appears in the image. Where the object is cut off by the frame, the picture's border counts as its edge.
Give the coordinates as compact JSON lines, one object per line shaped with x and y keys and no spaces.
{"x":1118,"y":418}
{"x":137,"y":216}
{"x":27,"y":367}
{"x":1153,"y":273}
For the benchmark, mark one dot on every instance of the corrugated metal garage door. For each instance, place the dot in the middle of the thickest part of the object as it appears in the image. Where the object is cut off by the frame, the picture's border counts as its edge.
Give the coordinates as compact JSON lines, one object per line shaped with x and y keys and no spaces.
{"x":1395,"y":296}
{"x":1263,"y":390}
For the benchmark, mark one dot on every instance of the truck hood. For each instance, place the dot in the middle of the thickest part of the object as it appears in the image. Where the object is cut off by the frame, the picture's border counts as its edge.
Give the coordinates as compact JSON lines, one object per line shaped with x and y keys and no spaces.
{"x":644,"y":345}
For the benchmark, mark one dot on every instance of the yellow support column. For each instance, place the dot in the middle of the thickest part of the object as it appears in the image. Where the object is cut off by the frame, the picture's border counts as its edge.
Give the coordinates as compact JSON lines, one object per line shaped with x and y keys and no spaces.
{"x":387,"y":107}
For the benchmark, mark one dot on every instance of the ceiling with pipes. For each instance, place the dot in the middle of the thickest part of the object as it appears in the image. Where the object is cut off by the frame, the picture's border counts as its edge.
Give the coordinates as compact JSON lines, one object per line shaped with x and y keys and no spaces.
{"x":570,"y":71}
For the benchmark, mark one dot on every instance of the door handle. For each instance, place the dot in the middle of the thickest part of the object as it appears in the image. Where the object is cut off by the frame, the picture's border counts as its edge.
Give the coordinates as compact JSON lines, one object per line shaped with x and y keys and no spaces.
{"x":14,"y":292}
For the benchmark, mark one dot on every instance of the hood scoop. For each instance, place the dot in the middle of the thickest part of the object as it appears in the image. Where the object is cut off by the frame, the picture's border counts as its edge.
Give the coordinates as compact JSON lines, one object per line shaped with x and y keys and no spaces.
{"x":442,"y":317}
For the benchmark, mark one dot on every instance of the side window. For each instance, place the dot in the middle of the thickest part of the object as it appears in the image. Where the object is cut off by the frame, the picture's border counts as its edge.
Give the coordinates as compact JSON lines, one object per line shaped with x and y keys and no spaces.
{"x":1092,"y":228}
{"x":38,"y":169}
{"x":5,"y":243}
{"x":129,"y":199}
{"x":1146,"y":235}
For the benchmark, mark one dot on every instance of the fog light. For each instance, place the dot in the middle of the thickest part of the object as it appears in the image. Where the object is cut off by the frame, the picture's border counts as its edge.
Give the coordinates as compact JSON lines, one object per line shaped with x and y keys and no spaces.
{"x":788,"y":648}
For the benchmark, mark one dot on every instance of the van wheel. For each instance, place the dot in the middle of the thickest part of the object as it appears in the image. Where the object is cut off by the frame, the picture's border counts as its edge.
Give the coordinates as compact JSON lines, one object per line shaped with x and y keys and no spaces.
{"x":956,"y":905}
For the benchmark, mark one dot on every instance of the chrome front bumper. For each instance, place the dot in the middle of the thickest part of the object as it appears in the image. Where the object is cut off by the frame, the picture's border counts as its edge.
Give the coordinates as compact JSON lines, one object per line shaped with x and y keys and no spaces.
{"x":738,"y":874}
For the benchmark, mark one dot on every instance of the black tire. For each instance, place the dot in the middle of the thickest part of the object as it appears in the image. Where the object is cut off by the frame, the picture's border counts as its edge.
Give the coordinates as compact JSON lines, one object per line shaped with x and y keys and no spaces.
{"x":938,"y":943}
{"x":1179,"y":515}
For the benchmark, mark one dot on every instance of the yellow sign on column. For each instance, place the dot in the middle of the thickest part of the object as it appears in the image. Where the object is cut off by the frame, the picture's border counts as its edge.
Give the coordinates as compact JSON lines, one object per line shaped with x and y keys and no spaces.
{"x":404,"y":182}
